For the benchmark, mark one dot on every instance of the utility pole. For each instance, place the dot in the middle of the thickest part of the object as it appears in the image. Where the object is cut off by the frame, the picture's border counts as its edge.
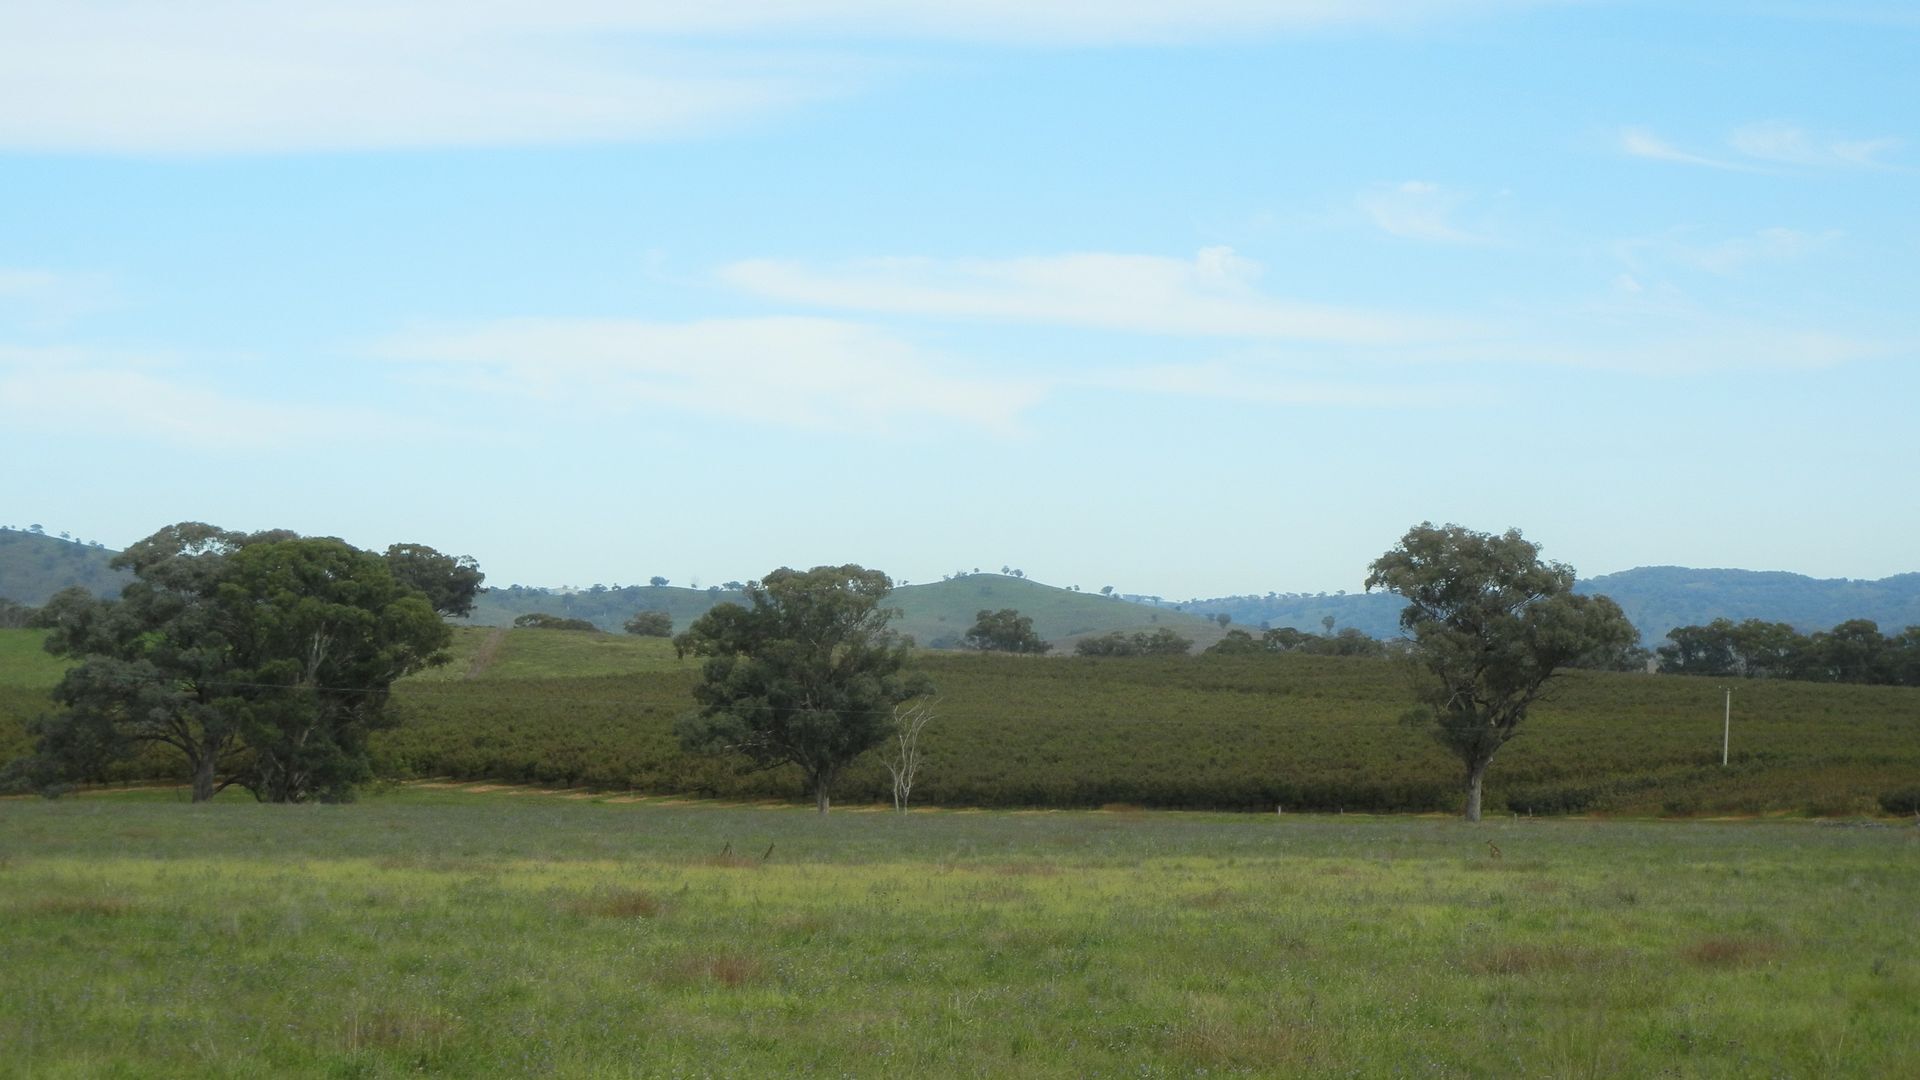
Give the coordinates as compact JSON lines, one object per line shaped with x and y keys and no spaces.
{"x":1726,"y":729}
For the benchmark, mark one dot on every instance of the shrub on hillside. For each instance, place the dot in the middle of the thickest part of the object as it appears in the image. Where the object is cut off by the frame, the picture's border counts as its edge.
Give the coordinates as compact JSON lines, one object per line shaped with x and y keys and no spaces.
{"x":540,"y":620}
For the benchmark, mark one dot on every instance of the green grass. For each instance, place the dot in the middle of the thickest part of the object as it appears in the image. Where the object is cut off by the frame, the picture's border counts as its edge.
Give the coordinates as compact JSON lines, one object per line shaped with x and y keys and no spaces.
{"x":24,"y":662}
{"x":436,"y":931}
{"x":490,"y":654}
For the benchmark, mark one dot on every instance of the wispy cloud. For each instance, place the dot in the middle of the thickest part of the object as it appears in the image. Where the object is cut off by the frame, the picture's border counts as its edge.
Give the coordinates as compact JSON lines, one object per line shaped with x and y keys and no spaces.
{"x":1214,"y":294}
{"x":1417,"y":210}
{"x":47,"y":298}
{"x":1639,"y":142}
{"x":1788,"y":144}
{"x":1775,"y":245}
{"x":1766,"y":146}
{"x":792,"y":372}
{"x":1249,"y":383}
{"x":212,"y":76}
{"x":88,"y":393}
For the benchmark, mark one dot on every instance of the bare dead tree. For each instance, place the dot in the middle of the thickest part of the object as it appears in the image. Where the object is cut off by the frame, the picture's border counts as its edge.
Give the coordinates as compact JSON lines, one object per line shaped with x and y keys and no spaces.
{"x":909,"y":720}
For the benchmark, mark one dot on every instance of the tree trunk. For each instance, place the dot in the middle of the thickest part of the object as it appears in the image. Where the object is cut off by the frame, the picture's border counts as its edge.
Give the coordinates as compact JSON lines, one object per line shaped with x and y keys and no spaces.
{"x":1475,"y":774}
{"x":820,"y":797}
{"x":203,"y":779}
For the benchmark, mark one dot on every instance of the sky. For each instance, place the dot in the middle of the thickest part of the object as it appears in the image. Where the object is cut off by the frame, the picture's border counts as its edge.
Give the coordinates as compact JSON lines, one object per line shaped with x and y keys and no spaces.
{"x":1189,"y":299}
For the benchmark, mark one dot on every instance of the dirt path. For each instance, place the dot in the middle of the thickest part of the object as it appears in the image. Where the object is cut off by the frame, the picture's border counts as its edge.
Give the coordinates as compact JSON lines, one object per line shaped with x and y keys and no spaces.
{"x":488,"y":652}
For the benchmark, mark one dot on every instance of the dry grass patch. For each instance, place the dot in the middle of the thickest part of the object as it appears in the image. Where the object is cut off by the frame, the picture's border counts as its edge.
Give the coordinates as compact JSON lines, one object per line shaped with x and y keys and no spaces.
{"x":397,"y":1028}
{"x":1263,"y":1047}
{"x":82,"y":906}
{"x":1485,"y":863}
{"x":731,"y":969}
{"x":617,"y":904}
{"x":1718,"y":951}
{"x":1028,"y":869}
{"x":1527,"y":959}
{"x":1213,"y":899}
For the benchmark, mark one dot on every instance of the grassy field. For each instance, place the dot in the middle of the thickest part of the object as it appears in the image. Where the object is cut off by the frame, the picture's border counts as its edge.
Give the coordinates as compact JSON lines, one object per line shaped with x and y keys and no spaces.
{"x":1306,"y":733}
{"x":431,"y":930}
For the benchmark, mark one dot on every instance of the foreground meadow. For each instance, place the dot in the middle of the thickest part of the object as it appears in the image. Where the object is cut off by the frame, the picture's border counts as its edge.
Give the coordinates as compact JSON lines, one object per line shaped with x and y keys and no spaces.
{"x":443,"y":930}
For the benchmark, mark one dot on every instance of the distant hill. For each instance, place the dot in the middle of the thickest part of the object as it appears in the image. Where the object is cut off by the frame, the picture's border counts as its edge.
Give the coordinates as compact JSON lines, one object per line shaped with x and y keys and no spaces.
{"x":1655,"y":598}
{"x":1659,"y":598}
{"x":607,"y":608}
{"x":937,"y":615}
{"x":1376,"y":615}
{"x":34,"y":566}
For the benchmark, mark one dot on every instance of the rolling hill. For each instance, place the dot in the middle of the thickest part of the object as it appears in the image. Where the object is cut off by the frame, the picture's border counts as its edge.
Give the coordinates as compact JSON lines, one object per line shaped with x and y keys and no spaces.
{"x":937,"y":615}
{"x":34,"y":566}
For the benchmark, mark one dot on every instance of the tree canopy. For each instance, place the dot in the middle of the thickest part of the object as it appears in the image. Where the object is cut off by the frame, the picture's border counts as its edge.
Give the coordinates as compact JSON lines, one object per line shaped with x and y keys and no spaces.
{"x":1005,"y":630}
{"x":540,"y":620}
{"x":650,"y":624}
{"x":1490,"y":625}
{"x":1853,"y":651}
{"x":806,"y":673}
{"x":265,"y":659}
{"x":449,"y":582}
{"x":1160,"y":642}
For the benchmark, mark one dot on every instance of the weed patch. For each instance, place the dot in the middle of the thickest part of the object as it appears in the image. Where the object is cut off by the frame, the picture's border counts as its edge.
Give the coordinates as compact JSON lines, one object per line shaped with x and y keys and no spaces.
{"x":617,"y":904}
{"x":1726,"y":952}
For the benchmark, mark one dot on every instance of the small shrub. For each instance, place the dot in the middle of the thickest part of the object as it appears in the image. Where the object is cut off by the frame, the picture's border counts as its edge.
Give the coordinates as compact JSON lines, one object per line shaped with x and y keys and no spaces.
{"x":1904,"y":800}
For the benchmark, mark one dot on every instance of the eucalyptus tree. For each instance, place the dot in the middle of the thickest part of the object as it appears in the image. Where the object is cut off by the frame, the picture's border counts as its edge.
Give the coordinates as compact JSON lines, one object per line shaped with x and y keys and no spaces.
{"x":1490,"y":625}
{"x":805,"y":673}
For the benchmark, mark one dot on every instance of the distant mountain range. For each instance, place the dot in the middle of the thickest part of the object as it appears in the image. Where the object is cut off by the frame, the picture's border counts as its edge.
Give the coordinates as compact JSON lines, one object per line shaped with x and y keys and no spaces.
{"x":1655,"y":598}
{"x":34,"y":566}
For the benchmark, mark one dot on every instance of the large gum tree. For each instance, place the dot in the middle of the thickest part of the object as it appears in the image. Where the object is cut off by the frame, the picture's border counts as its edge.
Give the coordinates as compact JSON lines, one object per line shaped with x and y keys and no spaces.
{"x":1490,"y":625}
{"x":805,"y":673}
{"x":263,"y":659}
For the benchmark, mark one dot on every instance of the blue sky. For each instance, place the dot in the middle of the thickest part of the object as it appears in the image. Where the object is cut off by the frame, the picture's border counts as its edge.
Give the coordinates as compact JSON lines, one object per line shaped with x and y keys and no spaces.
{"x":1187,"y":299}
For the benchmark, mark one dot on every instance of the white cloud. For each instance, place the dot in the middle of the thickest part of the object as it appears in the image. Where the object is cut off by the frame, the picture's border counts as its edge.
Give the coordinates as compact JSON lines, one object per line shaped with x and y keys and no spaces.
{"x":1787,"y":144}
{"x":83,"y":393}
{"x":1774,"y":245}
{"x":1639,"y":142}
{"x":1768,"y":144}
{"x":44,"y":297}
{"x":1416,"y":210}
{"x":1246,"y":383}
{"x":1214,"y":294}
{"x":197,"y":76}
{"x":794,"y":372}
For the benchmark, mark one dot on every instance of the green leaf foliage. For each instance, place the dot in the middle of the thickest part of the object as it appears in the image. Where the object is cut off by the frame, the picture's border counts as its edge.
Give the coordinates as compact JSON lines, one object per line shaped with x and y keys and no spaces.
{"x":540,"y":620}
{"x":1490,"y":625}
{"x":1158,"y":642}
{"x":449,"y":582}
{"x":650,"y":624}
{"x":806,"y":674}
{"x":1005,"y":630}
{"x":262,"y":659}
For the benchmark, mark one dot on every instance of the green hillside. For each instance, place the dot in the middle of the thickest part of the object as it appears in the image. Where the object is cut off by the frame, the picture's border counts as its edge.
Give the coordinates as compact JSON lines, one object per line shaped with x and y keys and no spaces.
{"x":607,"y":608}
{"x":1659,"y":598}
{"x":583,"y":709}
{"x":34,"y":566}
{"x":937,"y":614}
